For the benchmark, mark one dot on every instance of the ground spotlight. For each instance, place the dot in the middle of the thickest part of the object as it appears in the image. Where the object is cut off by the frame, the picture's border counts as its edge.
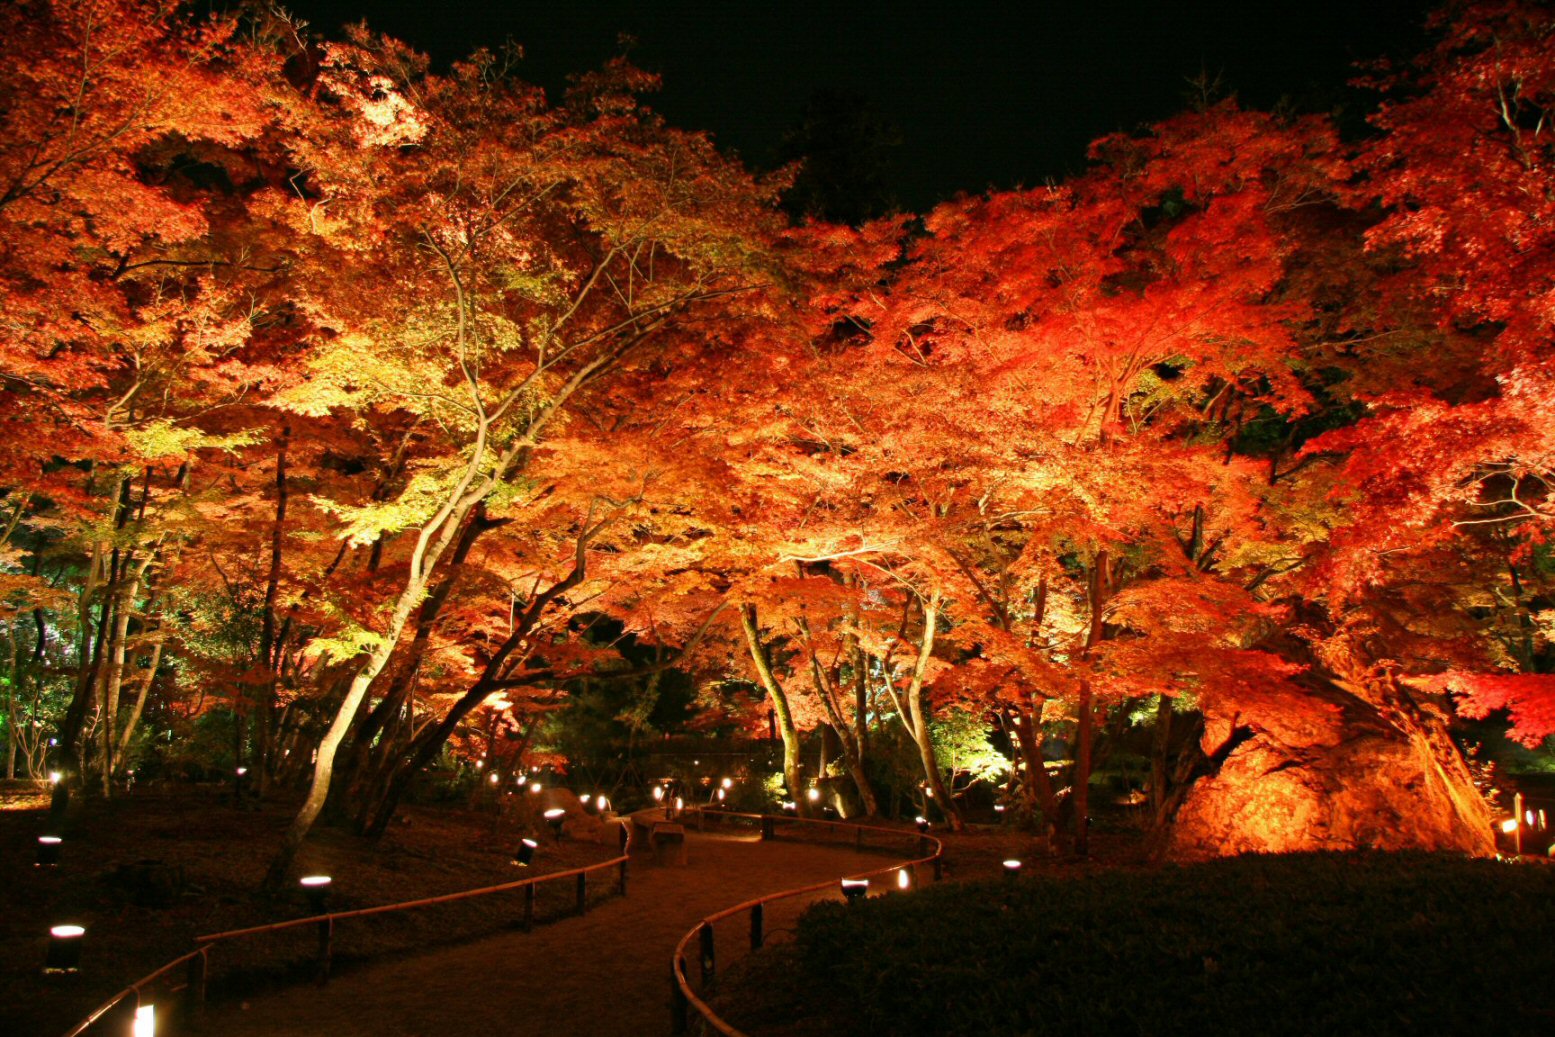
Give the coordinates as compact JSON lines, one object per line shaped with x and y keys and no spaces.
{"x":525,"y":852}
{"x":64,"y":953}
{"x":854,"y":889}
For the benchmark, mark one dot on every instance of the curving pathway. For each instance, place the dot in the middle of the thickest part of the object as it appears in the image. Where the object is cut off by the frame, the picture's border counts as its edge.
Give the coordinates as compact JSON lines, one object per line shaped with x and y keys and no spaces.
{"x":601,"y":975}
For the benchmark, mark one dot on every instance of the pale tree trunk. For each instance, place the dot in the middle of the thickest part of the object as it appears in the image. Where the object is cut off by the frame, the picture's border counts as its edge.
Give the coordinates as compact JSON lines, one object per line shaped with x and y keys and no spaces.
{"x":140,"y":703}
{"x":846,"y":735}
{"x":916,"y":717}
{"x":780,"y":709}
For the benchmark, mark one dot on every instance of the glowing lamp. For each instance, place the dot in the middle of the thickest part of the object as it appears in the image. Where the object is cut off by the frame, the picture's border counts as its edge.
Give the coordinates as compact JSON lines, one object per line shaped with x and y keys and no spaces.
{"x":998,"y":808}
{"x":922,"y":823}
{"x":479,"y":764}
{"x":602,"y":804}
{"x":242,"y":771}
{"x":790,"y":806}
{"x":1509,"y":825}
{"x":54,"y":776}
{"x":721,"y":795}
{"x":728,"y":783}
{"x":556,"y":817}
{"x":534,"y":786}
{"x":680,"y":804}
{"x":904,"y":879}
{"x":813,"y":794}
{"x":658,"y":792}
{"x":1528,"y":817}
{"x":48,"y":851}
{"x":64,"y":953}
{"x":145,"y":1024}
{"x":316,"y":889}
{"x":525,"y":852}
{"x":494,"y":778}
{"x":854,"y":889}
{"x":1012,"y":869}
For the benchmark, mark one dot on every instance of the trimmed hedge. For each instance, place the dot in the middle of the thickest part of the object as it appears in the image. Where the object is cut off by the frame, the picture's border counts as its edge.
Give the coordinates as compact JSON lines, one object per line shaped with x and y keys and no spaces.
{"x":1299,"y":944}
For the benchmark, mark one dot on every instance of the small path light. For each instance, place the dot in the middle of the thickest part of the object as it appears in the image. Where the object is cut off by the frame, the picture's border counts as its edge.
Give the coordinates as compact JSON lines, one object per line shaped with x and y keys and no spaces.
{"x":145,"y":1024}
{"x":922,"y":823}
{"x":904,"y":879}
{"x":812,"y":794}
{"x":728,"y":783}
{"x":658,"y":793}
{"x":602,"y":804}
{"x":534,"y":787}
{"x":64,"y":953}
{"x":316,"y":889}
{"x":525,"y":852}
{"x":48,"y":851}
{"x":1012,"y":869}
{"x":855,"y":889}
{"x":556,"y":817}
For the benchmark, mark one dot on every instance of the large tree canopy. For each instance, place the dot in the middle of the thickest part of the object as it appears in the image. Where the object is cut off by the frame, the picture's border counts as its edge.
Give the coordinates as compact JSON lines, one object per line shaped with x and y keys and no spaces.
{"x":372,"y":405}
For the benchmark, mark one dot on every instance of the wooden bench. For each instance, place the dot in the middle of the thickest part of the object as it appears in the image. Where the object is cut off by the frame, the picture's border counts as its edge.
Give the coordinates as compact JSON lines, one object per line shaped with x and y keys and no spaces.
{"x":666,"y":833}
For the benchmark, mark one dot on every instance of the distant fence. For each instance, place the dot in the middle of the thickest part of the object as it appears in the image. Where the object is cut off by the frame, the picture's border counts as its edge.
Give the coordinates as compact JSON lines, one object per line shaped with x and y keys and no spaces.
{"x":684,"y":999}
{"x":184,"y":978}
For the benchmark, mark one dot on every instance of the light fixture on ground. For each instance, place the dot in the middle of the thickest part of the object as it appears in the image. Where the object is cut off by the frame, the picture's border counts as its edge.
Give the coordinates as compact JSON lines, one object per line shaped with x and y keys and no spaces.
{"x":728,"y":783}
{"x":1509,"y":825}
{"x":48,"y":850}
{"x":1012,"y":869}
{"x":812,"y":794}
{"x":556,"y":817}
{"x":534,"y":786}
{"x":64,"y":953}
{"x":525,"y":852}
{"x":602,"y":804}
{"x":922,"y":823}
{"x":854,"y":889}
{"x":316,"y":889}
{"x":145,"y":1024}
{"x":904,"y":879}
{"x":658,"y":793}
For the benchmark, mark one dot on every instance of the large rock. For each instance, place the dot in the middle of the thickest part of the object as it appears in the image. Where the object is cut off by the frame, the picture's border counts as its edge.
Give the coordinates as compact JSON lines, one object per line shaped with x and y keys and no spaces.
{"x":1347,"y":775}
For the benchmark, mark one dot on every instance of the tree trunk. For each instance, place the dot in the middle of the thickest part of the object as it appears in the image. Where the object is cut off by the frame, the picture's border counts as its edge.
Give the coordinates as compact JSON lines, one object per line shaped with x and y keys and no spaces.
{"x":785,"y":718}
{"x":1082,"y":773}
{"x":1160,"y":746}
{"x":918,"y":722}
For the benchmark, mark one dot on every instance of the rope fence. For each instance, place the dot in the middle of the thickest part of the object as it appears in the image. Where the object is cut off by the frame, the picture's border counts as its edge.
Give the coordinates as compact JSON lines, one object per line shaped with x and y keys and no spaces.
{"x":312,"y":944}
{"x":905,"y":875}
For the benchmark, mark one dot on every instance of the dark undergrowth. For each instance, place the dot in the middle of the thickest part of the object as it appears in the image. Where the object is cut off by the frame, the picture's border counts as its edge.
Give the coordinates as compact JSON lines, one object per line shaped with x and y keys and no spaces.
{"x":1300,"y":944}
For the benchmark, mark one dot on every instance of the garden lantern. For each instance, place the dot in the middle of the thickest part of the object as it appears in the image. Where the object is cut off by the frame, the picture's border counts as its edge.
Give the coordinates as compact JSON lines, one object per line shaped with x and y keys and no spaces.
{"x":556,"y":817}
{"x":1012,"y":870}
{"x":854,"y":889}
{"x":316,"y":889}
{"x":48,"y":851}
{"x":525,"y":852}
{"x":64,"y":953}
{"x":145,"y":1024}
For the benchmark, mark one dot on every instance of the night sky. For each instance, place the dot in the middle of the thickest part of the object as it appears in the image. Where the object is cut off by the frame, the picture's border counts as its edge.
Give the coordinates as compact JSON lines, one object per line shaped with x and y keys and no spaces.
{"x":982,"y":94}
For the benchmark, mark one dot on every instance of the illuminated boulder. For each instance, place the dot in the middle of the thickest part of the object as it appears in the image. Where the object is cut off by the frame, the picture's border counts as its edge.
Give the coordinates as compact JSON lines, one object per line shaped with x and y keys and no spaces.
{"x":1282,"y":776}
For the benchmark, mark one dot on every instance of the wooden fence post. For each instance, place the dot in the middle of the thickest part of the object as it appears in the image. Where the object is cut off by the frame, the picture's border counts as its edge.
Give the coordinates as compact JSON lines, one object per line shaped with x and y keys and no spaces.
{"x":709,"y":960}
{"x":679,"y":1006}
{"x":758,"y":922}
{"x":194,"y":990}
{"x":326,"y":948}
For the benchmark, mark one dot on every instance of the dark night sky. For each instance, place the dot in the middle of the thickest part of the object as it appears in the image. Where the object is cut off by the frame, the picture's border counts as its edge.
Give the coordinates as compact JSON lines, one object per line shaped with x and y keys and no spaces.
{"x":983,"y":94}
